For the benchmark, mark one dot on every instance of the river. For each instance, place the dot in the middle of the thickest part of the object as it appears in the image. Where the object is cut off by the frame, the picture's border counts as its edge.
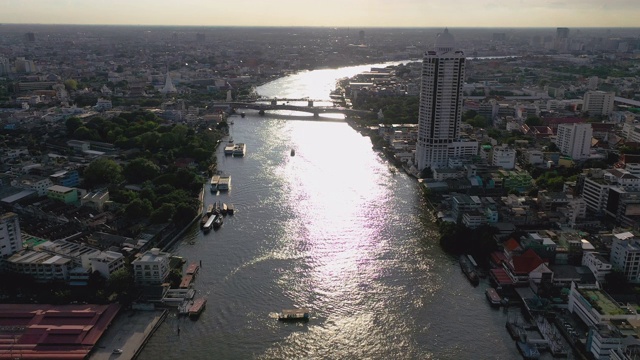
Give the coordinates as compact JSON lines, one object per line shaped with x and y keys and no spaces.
{"x":334,"y":230}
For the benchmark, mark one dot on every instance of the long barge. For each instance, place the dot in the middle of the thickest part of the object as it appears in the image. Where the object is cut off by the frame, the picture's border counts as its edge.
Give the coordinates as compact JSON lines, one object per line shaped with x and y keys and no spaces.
{"x":469,"y":270}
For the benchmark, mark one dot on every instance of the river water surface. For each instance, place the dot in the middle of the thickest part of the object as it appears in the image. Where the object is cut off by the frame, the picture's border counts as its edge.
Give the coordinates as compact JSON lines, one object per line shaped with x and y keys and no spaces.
{"x":331,"y":229}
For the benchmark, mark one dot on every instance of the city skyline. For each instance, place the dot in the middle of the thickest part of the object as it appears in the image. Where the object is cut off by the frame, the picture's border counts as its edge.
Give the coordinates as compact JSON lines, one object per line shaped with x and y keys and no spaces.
{"x":375,"y":13}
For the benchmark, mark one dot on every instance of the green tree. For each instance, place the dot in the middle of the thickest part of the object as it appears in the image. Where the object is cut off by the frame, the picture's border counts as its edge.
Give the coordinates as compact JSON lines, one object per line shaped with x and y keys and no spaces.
{"x":71,"y":84}
{"x":533,"y":121}
{"x":121,"y":283}
{"x":102,"y":171}
{"x":184,"y":214}
{"x":72,"y":124}
{"x":163,"y":214}
{"x":140,"y":170}
{"x":478,"y":121}
{"x":138,"y":209}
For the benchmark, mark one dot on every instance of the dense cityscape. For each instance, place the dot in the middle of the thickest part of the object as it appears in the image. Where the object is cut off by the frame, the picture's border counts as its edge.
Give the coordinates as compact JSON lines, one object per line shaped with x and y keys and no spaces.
{"x":525,"y":144}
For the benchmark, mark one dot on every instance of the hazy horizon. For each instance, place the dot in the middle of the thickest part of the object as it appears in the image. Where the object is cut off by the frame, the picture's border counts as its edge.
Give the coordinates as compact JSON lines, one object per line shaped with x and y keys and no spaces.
{"x":331,"y":13}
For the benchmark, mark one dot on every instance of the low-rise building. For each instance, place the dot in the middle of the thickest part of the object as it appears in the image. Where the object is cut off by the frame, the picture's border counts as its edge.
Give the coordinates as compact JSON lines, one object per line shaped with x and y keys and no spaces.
{"x":64,"y":194}
{"x":594,"y":306}
{"x":107,"y":262}
{"x":598,"y":265}
{"x":151,"y":268}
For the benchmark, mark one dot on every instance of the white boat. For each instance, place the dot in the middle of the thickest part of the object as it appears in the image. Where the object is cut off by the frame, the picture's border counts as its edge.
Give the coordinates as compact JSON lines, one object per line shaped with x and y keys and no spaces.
{"x":209,"y":224}
{"x":294,"y":315}
{"x":239,"y":149}
{"x":224,"y":183}
{"x":214,"y":182}
{"x":228,"y":149}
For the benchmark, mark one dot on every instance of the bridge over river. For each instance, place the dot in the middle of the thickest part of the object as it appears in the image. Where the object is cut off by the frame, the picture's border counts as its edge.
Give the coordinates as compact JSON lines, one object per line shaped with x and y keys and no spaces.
{"x":265,"y":105}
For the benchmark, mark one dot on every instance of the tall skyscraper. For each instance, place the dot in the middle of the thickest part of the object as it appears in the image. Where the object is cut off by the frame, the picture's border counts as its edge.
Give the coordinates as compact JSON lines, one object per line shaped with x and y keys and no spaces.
{"x":441,"y":106}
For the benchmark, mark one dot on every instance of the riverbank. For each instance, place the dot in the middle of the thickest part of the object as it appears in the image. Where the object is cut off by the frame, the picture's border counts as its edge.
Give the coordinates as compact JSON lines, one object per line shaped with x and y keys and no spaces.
{"x":129,"y":332}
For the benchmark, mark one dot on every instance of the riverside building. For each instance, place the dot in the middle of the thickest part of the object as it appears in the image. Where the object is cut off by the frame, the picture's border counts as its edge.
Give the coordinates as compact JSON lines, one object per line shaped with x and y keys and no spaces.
{"x":441,"y":106}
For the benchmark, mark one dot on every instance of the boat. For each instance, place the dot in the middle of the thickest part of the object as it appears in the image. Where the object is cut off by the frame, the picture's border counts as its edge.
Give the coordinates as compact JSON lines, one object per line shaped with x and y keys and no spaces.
{"x":210,"y":209}
{"x":469,"y":270}
{"x":197,"y":308}
{"x":239,"y":149}
{"x":215,"y":179}
{"x":293,"y":152}
{"x":224,"y":209}
{"x":117,"y":351}
{"x":217,"y":221}
{"x":228,"y":149}
{"x":205,"y":218}
{"x":225,"y":183}
{"x":528,"y":350}
{"x":294,"y":315}
{"x":209,"y":224}
{"x":242,"y":114}
{"x":493,"y":297}
{"x":230,"y":209}
{"x":193,"y":268}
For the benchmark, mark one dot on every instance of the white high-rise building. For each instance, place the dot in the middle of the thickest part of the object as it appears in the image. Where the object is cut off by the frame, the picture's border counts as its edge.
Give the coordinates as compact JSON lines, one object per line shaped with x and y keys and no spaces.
{"x":598,"y":102}
{"x":10,"y":236}
{"x":574,"y":140}
{"x":441,"y":105}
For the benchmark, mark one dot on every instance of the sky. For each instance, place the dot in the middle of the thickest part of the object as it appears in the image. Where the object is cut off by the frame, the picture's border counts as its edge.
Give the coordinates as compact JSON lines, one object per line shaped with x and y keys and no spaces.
{"x":327,"y":13}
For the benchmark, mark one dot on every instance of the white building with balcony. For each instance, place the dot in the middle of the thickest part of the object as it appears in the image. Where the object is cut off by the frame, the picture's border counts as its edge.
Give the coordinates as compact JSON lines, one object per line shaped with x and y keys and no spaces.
{"x":107,"y":262}
{"x":503,"y":156}
{"x":151,"y":268}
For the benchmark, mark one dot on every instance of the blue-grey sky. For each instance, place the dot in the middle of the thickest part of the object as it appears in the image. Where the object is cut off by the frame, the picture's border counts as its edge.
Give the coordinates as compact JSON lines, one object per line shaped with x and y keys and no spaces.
{"x":342,"y":13}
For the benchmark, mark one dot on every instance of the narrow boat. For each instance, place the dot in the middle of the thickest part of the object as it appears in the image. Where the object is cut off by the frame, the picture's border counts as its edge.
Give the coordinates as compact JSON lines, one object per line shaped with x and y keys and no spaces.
{"x":217,"y":221}
{"x":197,"y":308}
{"x":209,"y":225}
{"x":205,"y":218}
{"x":469,"y":270}
{"x":493,"y":297}
{"x":294,"y":315}
{"x":210,"y":209}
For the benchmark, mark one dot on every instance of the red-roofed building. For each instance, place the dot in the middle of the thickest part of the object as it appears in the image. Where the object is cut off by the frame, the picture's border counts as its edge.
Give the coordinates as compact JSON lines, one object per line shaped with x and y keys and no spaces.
{"x":512,"y":246}
{"x":519,"y":266}
{"x":500,"y":277}
{"x":554,"y":122}
{"x":34,"y":331}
